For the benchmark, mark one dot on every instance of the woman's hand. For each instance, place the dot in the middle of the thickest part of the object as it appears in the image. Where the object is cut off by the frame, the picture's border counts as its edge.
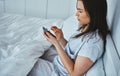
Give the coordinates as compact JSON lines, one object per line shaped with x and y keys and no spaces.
{"x":50,"y":38}
{"x":58,"y":36}
{"x":58,"y":33}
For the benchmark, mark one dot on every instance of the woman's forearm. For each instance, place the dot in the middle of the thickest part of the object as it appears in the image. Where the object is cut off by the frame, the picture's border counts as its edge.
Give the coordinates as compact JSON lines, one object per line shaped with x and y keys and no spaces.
{"x":68,"y":63}
{"x":63,"y":41}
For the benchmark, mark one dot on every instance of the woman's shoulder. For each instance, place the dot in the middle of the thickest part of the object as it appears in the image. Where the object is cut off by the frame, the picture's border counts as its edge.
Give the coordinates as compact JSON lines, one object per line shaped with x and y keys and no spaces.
{"x":89,"y":38}
{"x":93,"y":46}
{"x":93,"y":38}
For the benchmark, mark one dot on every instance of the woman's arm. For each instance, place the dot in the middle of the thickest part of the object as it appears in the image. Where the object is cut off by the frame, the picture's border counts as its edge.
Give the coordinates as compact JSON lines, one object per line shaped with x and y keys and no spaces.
{"x":63,"y":41}
{"x":77,"y":68}
{"x":59,"y":35}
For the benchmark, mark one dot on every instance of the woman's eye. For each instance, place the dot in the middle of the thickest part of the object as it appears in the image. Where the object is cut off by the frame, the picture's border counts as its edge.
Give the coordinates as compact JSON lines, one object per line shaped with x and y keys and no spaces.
{"x":80,"y":11}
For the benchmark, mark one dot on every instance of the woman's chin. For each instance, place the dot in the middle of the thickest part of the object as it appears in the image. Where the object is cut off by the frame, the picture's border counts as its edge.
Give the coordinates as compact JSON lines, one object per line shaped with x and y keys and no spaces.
{"x":80,"y":24}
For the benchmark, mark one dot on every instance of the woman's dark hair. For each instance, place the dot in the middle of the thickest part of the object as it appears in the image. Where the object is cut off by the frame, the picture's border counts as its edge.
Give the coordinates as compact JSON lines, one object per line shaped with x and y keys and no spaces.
{"x":97,"y":11}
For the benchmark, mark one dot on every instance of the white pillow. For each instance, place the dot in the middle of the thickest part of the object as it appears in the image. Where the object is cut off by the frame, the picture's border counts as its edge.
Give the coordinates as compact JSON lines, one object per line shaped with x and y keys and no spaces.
{"x":70,"y":26}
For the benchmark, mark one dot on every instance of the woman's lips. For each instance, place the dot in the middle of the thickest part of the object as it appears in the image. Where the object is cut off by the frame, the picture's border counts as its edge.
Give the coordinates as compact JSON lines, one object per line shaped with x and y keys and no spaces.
{"x":78,"y":19}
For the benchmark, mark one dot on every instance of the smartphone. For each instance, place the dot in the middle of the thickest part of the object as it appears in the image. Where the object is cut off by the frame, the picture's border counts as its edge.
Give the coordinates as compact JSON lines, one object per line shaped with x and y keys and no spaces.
{"x":46,"y":30}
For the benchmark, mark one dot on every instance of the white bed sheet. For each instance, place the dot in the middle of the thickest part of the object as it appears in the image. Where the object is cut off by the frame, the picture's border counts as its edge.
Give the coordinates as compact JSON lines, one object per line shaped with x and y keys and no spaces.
{"x":21,"y":43}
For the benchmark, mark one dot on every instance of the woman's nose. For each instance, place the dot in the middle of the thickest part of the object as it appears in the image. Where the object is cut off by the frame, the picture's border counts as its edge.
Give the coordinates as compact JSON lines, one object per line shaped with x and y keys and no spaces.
{"x":77,"y":13}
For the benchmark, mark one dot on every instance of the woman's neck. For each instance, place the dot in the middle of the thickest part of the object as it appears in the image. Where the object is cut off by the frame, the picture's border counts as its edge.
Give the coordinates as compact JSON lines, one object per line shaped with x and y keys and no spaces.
{"x":85,"y":28}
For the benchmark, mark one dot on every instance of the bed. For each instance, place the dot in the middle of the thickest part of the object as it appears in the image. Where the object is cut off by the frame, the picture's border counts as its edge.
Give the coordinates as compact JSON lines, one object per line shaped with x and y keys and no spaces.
{"x":22,"y":42}
{"x":21,"y":36}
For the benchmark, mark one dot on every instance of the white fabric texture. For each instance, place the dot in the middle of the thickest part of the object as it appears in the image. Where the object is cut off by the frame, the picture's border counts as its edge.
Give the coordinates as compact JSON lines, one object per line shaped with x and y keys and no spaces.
{"x":50,"y":54}
{"x":21,"y":43}
{"x":70,"y":25}
{"x":44,"y":66}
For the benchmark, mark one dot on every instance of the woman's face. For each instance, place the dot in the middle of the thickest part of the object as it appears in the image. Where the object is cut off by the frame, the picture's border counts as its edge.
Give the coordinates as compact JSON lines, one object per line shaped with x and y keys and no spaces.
{"x":81,"y":14}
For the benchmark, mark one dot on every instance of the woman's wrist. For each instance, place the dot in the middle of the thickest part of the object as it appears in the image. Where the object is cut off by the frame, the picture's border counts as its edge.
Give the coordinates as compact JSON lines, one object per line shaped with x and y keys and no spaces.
{"x":63,"y":42}
{"x":62,"y":39}
{"x":57,"y":44}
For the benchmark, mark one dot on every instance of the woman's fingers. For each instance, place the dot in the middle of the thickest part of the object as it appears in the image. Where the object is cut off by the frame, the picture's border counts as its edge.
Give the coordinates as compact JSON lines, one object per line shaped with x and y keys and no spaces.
{"x":54,"y":28}
{"x":45,"y":35}
{"x":58,"y":32}
{"x":48,"y":35}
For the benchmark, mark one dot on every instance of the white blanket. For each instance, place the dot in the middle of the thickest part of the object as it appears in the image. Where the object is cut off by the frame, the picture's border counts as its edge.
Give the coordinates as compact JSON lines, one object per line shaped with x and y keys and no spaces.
{"x":21,"y":43}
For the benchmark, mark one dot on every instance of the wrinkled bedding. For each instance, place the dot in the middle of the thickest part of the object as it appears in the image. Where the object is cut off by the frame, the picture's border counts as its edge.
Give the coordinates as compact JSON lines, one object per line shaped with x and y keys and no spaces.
{"x":21,"y":43}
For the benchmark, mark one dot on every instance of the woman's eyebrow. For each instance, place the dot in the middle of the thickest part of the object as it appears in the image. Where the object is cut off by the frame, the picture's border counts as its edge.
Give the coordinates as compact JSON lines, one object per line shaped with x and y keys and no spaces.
{"x":79,"y":9}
